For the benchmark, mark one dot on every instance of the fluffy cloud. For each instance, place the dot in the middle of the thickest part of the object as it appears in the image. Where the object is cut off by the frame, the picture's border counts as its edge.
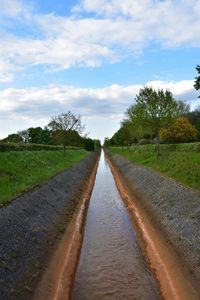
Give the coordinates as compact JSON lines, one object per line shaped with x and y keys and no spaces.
{"x":171,"y":23}
{"x":22,"y":108}
{"x":14,"y":8}
{"x":116,"y":29}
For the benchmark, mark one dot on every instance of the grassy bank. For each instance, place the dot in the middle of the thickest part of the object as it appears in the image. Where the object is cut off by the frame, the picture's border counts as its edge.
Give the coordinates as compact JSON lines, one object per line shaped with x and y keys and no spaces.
{"x":19,"y":171}
{"x":181,"y":161}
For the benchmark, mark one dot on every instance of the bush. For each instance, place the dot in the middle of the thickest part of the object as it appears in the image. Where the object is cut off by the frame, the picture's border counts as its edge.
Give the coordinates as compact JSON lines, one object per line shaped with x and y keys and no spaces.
{"x":181,"y":131}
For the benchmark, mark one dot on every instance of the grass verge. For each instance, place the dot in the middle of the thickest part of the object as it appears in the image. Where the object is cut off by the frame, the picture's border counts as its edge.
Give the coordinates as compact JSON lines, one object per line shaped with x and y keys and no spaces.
{"x":20,"y":171}
{"x":180,"y":161}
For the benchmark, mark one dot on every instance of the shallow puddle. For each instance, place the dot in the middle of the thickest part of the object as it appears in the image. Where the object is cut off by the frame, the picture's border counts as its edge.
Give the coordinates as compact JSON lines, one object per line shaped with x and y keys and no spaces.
{"x":111,"y":264}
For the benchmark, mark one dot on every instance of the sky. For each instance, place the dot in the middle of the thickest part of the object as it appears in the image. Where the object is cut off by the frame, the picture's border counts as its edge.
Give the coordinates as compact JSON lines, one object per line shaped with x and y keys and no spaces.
{"x":92,"y":57}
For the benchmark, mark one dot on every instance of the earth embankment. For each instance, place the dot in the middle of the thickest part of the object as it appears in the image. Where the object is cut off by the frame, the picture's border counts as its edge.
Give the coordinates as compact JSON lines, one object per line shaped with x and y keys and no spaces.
{"x":32,"y":225}
{"x":173,"y":209}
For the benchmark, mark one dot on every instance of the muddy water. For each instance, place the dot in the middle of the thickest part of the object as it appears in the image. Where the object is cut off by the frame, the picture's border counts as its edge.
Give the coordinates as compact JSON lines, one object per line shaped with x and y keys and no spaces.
{"x":111,"y":264}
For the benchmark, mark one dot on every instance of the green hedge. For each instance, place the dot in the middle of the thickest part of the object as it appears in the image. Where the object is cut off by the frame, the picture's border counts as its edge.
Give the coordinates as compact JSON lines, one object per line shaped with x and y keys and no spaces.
{"x":31,"y":147}
{"x":182,"y":147}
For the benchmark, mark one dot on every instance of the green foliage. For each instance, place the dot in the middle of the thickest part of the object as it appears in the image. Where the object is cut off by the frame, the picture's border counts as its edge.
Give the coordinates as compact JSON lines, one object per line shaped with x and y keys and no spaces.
{"x":157,"y":109}
{"x":197,"y":79}
{"x":97,"y":144}
{"x":20,"y":171}
{"x":106,"y":142}
{"x":89,"y":144}
{"x":13,"y":138}
{"x":68,"y":137}
{"x":122,"y":136}
{"x":152,"y":111}
{"x":64,"y":129}
{"x":194,"y":118}
{"x":38,"y":135}
{"x":179,"y":161}
{"x":180,"y":131}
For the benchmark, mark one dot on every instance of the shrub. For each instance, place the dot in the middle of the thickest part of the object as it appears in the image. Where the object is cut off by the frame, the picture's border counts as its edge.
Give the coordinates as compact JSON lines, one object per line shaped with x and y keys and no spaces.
{"x":180,"y":131}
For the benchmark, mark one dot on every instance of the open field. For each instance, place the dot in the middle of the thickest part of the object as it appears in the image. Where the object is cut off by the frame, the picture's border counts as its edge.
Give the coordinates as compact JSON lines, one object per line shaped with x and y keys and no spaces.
{"x":179,"y":161}
{"x":20,"y":171}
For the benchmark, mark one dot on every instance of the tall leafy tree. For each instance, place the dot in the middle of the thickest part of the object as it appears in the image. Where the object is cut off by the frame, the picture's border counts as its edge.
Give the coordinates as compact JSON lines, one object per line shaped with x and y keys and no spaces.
{"x":134,"y":115}
{"x":156,"y":109}
{"x":197,"y":79}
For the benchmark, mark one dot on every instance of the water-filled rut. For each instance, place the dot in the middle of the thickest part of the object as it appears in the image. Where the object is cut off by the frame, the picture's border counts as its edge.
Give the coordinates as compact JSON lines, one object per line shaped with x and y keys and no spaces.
{"x":111,"y":265}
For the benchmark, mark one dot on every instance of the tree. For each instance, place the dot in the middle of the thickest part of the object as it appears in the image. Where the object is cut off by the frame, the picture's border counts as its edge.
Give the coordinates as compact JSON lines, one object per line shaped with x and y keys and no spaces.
{"x":106,"y":142}
{"x":157,"y":109}
{"x":197,"y":79}
{"x":13,"y":138}
{"x":24,"y":135}
{"x":116,"y":139}
{"x":194,"y":118}
{"x":180,"y":131}
{"x":134,"y":115}
{"x":67,"y":138}
{"x":97,"y":144}
{"x":127,"y":133}
{"x":89,"y":144}
{"x":63,"y":127}
{"x":38,"y":135}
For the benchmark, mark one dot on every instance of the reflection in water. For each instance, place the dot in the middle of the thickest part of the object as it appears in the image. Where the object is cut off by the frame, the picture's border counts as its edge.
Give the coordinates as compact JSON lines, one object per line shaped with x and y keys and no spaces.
{"x":111,"y":264}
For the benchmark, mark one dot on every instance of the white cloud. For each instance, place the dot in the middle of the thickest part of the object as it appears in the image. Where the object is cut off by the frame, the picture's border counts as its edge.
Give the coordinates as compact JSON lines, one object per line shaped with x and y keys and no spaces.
{"x":116,"y":30}
{"x":5,"y":77}
{"x":172,"y":23}
{"x":14,"y":8}
{"x":106,"y":106}
{"x":6,"y":69}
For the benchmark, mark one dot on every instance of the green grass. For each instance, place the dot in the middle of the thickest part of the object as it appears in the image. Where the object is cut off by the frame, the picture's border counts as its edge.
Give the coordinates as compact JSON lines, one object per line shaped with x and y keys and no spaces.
{"x":181,"y":161}
{"x":20,"y":171}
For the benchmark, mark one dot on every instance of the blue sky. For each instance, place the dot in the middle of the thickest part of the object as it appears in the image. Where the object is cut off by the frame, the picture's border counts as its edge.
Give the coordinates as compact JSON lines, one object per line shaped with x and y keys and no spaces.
{"x":92,"y":57}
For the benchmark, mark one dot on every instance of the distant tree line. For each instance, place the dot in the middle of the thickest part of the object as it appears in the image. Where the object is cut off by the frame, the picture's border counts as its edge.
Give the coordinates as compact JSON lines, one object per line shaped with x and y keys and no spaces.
{"x":65,"y":129}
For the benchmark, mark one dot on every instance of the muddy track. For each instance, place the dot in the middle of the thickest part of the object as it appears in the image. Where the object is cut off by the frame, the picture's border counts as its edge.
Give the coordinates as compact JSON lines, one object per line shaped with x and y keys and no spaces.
{"x":32,"y":225}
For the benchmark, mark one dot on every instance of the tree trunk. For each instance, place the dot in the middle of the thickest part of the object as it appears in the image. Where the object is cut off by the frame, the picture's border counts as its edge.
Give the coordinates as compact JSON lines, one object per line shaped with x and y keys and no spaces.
{"x":128,"y":147}
{"x":158,"y":143}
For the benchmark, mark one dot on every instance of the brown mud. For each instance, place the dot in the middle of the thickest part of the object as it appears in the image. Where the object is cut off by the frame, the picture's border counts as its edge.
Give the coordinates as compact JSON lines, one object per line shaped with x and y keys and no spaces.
{"x":174,"y":282}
